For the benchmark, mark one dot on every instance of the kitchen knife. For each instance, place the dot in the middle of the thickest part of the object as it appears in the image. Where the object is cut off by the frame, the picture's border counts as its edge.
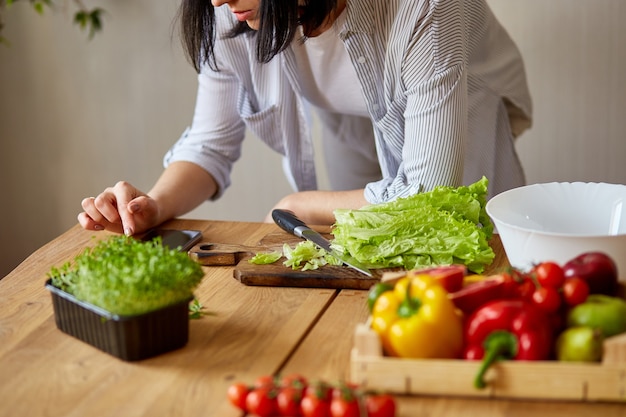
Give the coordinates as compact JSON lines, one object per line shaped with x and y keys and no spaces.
{"x":292,"y":224}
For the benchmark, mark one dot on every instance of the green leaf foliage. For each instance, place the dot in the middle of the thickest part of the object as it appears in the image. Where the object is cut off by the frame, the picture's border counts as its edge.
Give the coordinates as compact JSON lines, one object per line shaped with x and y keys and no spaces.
{"x":89,"y":19}
{"x":127,"y":277}
{"x":86,"y":19}
{"x":197,"y":310}
{"x":444,"y":226}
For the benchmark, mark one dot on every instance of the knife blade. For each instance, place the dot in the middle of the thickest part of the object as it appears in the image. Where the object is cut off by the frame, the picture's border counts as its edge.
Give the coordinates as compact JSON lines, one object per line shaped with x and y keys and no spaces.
{"x":289,"y":222}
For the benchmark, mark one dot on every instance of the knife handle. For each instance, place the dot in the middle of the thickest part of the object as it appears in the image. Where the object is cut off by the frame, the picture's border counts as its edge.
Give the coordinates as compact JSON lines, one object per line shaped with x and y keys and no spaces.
{"x":288,"y":221}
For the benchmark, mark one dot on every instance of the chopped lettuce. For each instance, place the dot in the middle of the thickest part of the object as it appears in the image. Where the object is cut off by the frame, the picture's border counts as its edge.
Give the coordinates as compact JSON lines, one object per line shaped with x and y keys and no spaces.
{"x":264,"y":258}
{"x":304,"y":252}
{"x":441,"y":227}
{"x":305,"y":255}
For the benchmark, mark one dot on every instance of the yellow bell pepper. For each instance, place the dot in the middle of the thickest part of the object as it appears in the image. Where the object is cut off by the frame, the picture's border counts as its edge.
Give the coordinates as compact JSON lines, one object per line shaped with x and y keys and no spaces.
{"x":416,"y":319}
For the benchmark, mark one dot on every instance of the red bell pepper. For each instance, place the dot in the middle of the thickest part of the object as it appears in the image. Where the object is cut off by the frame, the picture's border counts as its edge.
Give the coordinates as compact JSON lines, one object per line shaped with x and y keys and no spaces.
{"x":506,"y":329}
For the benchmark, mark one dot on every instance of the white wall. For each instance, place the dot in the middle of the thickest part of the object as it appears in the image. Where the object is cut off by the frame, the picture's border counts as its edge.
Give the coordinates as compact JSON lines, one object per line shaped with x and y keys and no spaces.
{"x":575,"y":55}
{"x":78,"y":115}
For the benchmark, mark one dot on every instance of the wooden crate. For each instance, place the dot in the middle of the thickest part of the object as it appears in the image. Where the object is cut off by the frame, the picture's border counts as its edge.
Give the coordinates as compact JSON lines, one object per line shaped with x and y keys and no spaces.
{"x":545,"y":380}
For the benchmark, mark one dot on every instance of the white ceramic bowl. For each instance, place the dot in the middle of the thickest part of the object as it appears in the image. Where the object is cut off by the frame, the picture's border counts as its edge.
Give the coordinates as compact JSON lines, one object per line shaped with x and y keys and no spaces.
{"x":558,"y":221}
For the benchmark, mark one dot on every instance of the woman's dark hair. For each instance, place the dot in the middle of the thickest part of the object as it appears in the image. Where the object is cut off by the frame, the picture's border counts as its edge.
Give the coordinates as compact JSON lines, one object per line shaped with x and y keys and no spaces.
{"x":279,"y":20}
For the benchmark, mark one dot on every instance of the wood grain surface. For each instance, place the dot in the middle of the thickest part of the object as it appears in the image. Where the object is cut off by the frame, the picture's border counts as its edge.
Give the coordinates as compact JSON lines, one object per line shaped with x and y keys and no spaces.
{"x":279,"y":275}
{"x":249,"y":331}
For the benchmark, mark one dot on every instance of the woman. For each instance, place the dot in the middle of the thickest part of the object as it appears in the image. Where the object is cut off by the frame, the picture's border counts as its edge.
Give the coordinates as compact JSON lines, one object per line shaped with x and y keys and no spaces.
{"x":411,"y":94}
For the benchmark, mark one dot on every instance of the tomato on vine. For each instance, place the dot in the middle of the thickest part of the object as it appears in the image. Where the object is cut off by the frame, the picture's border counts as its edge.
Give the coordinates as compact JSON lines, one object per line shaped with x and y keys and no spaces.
{"x":525,"y":288}
{"x":262,"y":402}
{"x":549,"y":274}
{"x":288,"y":401}
{"x":344,"y":407}
{"x":265,"y":381}
{"x":547,"y":299}
{"x":294,"y":380}
{"x":316,"y":400}
{"x":575,"y":291}
{"x":294,"y":396}
{"x":237,"y":394}
{"x":344,"y":402}
{"x":380,"y":405}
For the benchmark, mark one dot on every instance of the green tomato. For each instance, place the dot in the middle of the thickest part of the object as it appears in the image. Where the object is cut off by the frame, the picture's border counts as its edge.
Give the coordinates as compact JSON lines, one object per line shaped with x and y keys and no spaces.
{"x":601,"y":312}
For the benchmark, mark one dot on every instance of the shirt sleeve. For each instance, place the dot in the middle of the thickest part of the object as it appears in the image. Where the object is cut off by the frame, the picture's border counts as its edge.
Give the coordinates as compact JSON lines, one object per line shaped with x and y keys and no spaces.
{"x":214,"y":139}
{"x":435,"y":113}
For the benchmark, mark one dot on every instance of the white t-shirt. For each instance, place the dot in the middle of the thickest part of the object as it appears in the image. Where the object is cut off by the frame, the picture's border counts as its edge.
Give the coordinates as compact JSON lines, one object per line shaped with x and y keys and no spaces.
{"x":326,"y":75}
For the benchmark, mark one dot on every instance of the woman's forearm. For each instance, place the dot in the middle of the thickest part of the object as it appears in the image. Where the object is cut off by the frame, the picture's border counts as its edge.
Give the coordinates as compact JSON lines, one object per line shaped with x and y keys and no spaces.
{"x":317,"y":207}
{"x":181,"y":188}
{"x":184,"y":185}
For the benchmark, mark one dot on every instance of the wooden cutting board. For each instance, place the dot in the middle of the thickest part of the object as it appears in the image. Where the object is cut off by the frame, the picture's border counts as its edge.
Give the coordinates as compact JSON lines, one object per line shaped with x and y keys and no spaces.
{"x":277,"y":274}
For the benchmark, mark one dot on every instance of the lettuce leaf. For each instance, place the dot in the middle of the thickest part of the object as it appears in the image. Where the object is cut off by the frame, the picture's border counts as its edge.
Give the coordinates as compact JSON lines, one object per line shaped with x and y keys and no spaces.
{"x":444,"y":226}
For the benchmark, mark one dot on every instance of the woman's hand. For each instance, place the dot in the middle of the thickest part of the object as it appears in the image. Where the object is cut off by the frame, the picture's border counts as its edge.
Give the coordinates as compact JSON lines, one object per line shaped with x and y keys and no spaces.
{"x":125,"y":209}
{"x":121,"y":209}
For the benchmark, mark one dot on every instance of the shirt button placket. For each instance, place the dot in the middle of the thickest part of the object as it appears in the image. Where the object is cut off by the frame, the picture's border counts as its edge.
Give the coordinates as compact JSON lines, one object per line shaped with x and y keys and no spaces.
{"x":371,"y":94}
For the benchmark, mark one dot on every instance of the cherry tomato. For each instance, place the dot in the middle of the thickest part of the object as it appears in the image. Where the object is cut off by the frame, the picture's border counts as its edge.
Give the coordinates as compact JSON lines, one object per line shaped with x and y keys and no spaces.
{"x":265,"y":381}
{"x":575,"y":291}
{"x":288,"y":401}
{"x":547,"y":299}
{"x":344,"y":402}
{"x":525,"y":288}
{"x":341,"y":407}
{"x":237,"y":394}
{"x":262,"y":402}
{"x":549,"y":274}
{"x":314,"y":406}
{"x":294,"y":380}
{"x":319,"y":389}
{"x":380,"y":405}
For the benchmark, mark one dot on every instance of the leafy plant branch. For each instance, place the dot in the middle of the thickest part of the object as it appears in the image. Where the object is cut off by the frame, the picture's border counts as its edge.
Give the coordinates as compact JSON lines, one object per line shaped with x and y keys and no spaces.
{"x":88,"y":19}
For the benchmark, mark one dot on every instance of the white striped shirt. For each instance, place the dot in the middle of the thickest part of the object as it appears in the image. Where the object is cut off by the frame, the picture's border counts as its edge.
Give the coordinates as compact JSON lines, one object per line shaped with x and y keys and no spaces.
{"x":437,"y":77}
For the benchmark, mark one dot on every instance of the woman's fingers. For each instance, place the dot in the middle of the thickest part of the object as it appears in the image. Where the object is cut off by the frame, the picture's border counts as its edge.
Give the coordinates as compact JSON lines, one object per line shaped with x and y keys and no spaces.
{"x":88,"y":223}
{"x":144,"y":211}
{"x":92,"y":213}
{"x":111,"y":210}
{"x":92,"y":219}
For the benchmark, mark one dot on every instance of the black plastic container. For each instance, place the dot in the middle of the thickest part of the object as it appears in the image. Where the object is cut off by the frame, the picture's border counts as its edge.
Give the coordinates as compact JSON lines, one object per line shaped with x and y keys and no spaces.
{"x":129,"y":338}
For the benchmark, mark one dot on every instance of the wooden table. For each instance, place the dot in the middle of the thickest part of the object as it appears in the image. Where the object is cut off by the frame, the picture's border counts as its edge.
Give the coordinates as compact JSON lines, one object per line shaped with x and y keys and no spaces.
{"x":252,"y":331}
